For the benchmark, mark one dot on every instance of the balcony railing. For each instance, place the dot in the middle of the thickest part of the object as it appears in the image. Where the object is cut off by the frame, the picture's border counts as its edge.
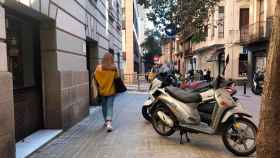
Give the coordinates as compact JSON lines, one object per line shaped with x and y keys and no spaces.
{"x":256,"y":32}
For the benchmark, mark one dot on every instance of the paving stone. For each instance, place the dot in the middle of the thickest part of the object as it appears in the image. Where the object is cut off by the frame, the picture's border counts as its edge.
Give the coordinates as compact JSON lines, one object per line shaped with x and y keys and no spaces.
{"x":132,"y":137}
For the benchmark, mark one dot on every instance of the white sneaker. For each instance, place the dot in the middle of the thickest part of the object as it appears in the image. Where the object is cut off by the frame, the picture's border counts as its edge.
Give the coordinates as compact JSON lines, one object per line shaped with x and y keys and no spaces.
{"x":109,"y":126}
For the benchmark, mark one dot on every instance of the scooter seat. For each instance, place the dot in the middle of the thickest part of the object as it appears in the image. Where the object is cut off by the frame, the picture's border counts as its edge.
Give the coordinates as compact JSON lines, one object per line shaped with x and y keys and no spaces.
{"x":184,"y":96}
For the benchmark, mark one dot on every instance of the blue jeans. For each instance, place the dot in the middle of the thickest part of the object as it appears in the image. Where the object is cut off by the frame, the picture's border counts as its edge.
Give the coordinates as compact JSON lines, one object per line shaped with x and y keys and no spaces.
{"x":107,"y":104}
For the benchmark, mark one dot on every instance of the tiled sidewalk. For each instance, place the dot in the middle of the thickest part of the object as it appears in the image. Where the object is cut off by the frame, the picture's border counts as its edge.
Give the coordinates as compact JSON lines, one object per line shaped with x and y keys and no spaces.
{"x":132,"y":138}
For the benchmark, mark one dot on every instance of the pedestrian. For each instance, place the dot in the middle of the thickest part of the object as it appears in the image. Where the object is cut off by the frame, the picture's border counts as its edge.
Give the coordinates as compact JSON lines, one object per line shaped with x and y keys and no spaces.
{"x":105,"y":74}
{"x":204,"y":74}
{"x":165,"y":68}
{"x":200,"y":74}
{"x":191,"y":75}
{"x":208,"y":75}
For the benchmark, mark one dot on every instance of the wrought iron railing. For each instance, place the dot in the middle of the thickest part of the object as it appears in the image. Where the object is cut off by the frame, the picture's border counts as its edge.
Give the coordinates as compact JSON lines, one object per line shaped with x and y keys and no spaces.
{"x":138,"y":82}
{"x":256,"y":32}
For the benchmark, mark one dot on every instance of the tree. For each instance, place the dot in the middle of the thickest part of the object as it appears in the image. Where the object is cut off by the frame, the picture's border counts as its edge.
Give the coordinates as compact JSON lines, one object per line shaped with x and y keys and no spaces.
{"x":268,"y":140}
{"x":151,"y":47}
{"x":190,"y":17}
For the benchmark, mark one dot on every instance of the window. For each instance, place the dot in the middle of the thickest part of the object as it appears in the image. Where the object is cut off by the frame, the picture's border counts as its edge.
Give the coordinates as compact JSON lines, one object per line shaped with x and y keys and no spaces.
{"x":94,"y":2}
{"x":206,"y":30}
{"x":262,"y":18}
{"x":221,"y":22}
{"x":123,"y":18}
{"x":110,"y":4}
{"x":261,"y":10}
{"x":212,"y":26}
{"x":118,"y":11}
{"x":110,"y":11}
{"x":244,"y":23}
{"x":243,"y":65}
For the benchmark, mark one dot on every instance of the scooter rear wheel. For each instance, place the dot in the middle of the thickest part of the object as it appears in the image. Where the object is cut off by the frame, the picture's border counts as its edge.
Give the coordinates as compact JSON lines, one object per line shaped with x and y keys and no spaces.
{"x":159,"y":126}
{"x":256,"y":90}
{"x":239,"y":137}
{"x":146,"y":114}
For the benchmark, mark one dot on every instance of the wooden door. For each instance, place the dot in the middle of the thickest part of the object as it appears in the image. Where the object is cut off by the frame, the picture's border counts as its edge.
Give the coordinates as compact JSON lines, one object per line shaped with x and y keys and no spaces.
{"x":244,"y":17}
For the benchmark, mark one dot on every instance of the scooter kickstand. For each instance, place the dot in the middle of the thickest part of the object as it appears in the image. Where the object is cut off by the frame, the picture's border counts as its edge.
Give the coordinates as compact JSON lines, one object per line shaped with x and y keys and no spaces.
{"x":188,"y":138}
{"x":181,"y":138}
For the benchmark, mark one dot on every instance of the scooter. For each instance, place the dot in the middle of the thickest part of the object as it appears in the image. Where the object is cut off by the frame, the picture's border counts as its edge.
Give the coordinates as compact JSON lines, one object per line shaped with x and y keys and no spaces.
{"x":161,"y":82}
{"x":177,"y":110}
{"x":258,"y":82}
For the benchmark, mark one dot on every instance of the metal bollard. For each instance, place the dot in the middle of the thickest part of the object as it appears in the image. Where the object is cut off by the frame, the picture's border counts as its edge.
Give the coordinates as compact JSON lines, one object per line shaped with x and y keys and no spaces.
{"x":245,"y":88}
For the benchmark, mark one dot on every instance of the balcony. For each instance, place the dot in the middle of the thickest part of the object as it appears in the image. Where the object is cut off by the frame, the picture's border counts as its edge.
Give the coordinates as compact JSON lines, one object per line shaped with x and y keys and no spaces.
{"x":259,"y":31}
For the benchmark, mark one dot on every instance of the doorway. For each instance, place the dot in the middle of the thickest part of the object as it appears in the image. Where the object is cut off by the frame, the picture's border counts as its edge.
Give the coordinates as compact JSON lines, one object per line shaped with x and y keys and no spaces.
{"x":92,"y":62}
{"x":23,"y":50}
{"x":221,"y":63}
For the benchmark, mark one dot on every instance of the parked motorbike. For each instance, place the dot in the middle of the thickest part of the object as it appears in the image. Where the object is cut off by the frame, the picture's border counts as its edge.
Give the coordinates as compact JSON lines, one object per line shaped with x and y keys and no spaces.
{"x":169,"y":79}
{"x":177,"y":110}
{"x":258,"y":83}
{"x":162,"y":80}
{"x":166,"y":79}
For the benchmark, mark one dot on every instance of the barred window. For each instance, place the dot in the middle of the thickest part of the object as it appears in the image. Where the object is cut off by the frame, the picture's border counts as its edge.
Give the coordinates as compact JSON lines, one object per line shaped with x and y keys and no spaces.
{"x":221,"y":22}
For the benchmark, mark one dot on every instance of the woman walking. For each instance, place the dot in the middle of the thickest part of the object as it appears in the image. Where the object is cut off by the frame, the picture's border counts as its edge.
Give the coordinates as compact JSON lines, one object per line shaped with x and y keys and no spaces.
{"x":104,"y":76}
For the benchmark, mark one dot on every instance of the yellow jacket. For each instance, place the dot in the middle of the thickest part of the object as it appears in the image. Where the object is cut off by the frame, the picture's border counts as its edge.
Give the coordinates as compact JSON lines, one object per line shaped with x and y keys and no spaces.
{"x":105,"y":81}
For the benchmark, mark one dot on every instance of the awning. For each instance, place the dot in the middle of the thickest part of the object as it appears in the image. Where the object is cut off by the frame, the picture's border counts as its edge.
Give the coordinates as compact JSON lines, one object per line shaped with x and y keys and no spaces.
{"x":215,"y":47}
{"x":215,"y":56}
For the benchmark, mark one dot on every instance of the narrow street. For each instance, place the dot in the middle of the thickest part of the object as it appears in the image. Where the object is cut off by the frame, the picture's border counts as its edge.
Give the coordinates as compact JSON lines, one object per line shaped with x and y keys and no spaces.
{"x":133,"y":137}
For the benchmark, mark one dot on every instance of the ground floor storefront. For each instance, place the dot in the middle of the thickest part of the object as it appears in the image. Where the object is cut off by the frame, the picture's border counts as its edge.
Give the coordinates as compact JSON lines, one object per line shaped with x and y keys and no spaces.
{"x":35,"y":93}
{"x":237,"y":64}
{"x":213,"y":58}
{"x":257,"y":57}
{"x":46,"y":64}
{"x":208,"y":59}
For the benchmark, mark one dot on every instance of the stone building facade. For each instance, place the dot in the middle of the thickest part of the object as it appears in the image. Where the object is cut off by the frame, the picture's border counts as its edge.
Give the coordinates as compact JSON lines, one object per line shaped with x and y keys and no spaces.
{"x":131,"y":42}
{"x":256,"y":35}
{"x":206,"y":54}
{"x":48,"y":50}
{"x":168,"y":47}
{"x":223,"y":40}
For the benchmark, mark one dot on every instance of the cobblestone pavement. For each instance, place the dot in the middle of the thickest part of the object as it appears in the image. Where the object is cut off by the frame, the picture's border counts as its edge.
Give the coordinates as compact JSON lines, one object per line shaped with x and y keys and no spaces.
{"x":132,"y":138}
{"x":251,"y":103}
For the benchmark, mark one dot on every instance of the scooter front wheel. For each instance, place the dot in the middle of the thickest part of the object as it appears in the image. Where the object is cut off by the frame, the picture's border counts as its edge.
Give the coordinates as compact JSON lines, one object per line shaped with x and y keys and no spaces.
{"x":239,"y":137}
{"x":160,"y":127}
{"x":146,"y":114}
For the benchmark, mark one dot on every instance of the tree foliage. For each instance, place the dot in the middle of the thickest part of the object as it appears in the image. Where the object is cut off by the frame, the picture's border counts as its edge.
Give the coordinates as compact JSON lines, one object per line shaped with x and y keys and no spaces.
{"x":189,"y":16}
{"x":151,"y":46}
